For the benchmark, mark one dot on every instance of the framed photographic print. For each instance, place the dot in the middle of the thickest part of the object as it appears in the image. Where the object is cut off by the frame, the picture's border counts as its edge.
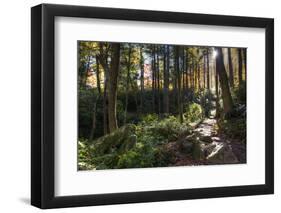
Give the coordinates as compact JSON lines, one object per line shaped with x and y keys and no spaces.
{"x":139,"y":106}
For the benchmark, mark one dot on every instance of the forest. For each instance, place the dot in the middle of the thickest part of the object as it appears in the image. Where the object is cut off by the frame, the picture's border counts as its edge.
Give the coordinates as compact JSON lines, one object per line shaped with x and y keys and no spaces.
{"x":160,"y":105}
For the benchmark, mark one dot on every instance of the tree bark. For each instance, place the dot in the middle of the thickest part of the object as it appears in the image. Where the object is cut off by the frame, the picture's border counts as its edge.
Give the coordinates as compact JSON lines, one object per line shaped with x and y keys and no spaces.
{"x":166,"y":79}
{"x":153,"y":78}
{"x":204,"y":70}
{"x":94,"y":116}
{"x":217,"y":94}
{"x":112,"y":94}
{"x":187,"y":70}
{"x":198,"y":76}
{"x":245,"y":60}
{"x":208,"y":70}
{"x":127,"y":83}
{"x":179,"y":96}
{"x":226,"y":95}
{"x":158,"y":82}
{"x":141,"y":80}
{"x":192,"y":75}
{"x":105,"y":111}
{"x":240,"y":66}
{"x":230,"y":67}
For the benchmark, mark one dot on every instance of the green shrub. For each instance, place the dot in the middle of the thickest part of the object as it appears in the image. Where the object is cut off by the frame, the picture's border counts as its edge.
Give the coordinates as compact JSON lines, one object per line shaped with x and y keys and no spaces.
{"x":168,"y":129}
{"x":84,"y":156}
{"x":162,"y":157}
{"x":239,"y":93}
{"x":234,"y":128}
{"x":150,"y":118}
{"x":193,"y":112}
{"x":134,"y":146}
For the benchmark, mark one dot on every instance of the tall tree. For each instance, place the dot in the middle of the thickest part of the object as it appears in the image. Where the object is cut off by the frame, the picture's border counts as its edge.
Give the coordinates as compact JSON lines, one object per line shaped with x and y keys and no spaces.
{"x":204,"y":70}
{"x":128,"y":66}
{"x":112,"y":72}
{"x":226,"y":95}
{"x":158,"y":80}
{"x":240,"y":66}
{"x":187,"y":69}
{"x":178,"y":72}
{"x":166,"y":79}
{"x":153,"y":69}
{"x":112,"y":93}
{"x":198,"y":76}
{"x":217,"y":94}
{"x":230,"y":68}
{"x":105,"y":111}
{"x":245,"y":60}
{"x":141,"y":79}
{"x":208,"y":69}
{"x":102,"y":57}
{"x":94,"y":116}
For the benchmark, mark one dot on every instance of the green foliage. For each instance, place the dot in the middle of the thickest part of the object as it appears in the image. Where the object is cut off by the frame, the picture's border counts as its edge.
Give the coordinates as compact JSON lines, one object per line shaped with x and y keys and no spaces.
{"x":206,"y":99}
{"x":239,"y":93}
{"x":145,"y":139}
{"x":148,"y":118}
{"x":84,"y":156}
{"x":133,"y":146}
{"x":234,"y":128}
{"x":139,"y":157}
{"x":193,"y":112}
{"x":162,"y":131}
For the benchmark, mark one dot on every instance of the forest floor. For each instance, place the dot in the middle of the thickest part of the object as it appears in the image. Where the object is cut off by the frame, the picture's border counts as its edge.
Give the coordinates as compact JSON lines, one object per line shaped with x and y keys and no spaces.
{"x":216,"y":148}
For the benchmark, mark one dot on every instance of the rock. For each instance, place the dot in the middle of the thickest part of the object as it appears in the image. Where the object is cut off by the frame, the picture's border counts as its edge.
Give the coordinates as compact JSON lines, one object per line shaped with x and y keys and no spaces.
{"x":121,"y":139}
{"x":186,"y":144}
{"x":197,"y":152}
{"x":130,"y":142}
{"x":206,"y":139}
{"x":209,"y":149}
{"x":186,"y":147}
{"x":222,"y":154}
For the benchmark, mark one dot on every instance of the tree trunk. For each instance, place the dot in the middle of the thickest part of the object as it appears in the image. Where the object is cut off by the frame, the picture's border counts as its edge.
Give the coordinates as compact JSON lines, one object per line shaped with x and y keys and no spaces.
{"x":187,"y":69}
{"x":204,"y":70}
{"x":127,"y":84}
{"x":105,"y":111}
{"x":182,"y":72}
{"x":94,"y":119}
{"x":245,"y":61}
{"x":217,"y":94}
{"x":208,"y":70}
{"x":175,"y":80}
{"x":198,"y":76}
{"x":230,"y":67}
{"x":83,"y":81}
{"x":166,"y":80}
{"x":179,"y":97}
{"x":192,"y":75}
{"x":158,"y":83}
{"x":226,"y":96}
{"x":240,"y":66}
{"x":141,"y":80}
{"x":153,"y":79}
{"x":112,"y":84}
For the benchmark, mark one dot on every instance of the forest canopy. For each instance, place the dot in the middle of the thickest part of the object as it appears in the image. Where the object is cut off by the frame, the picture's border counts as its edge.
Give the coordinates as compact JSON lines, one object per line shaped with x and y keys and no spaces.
{"x":152,"y":105}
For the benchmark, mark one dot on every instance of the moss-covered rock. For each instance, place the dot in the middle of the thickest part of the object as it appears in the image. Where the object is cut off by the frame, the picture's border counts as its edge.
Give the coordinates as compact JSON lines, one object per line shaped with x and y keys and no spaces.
{"x":197,"y":152}
{"x":120,"y":140}
{"x":186,"y":144}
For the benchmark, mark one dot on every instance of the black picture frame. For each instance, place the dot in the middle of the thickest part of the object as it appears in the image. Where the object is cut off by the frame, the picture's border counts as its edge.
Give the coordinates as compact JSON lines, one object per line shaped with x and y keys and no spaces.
{"x":43,"y":117}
